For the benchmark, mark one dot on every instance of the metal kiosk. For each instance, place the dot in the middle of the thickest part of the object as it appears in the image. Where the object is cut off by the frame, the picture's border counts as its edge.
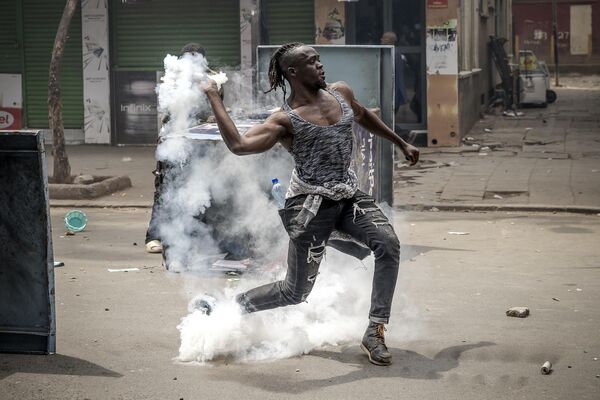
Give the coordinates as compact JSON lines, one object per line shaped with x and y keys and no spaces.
{"x":27,"y":314}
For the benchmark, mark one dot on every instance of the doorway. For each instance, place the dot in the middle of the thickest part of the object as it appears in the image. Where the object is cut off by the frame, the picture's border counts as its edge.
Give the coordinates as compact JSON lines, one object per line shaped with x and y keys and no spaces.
{"x":367,"y":21}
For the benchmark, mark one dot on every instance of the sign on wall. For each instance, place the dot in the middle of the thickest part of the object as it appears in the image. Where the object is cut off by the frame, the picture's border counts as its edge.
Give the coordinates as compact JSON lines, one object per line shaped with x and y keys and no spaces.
{"x":437,"y":3}
{"x":10,"y":101}
{"x":330,"y":17}
{"x":442,"y":50}
{"x":96,"y":84}
{"x":136,"y":116}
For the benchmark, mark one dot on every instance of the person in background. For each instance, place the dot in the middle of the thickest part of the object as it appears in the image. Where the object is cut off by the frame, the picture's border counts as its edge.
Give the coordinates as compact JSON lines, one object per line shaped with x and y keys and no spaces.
{"x":153,"y":241}
{"x":390,"y":38}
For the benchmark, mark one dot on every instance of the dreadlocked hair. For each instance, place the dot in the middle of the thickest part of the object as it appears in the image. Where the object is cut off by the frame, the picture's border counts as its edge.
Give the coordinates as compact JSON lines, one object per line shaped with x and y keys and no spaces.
{"x":276,"y":78}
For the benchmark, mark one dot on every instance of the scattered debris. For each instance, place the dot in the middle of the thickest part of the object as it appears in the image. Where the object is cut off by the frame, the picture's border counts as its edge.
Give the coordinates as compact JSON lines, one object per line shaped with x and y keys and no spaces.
{"x":518,"y":312}
{"x":579,"y":290}
{"x":107,"y":309}
{"x":546,"y":368}
{"x":69,"y":233}
{"x":511,"y":113}
{"x":458,"y":233}
{"x":297,"y":370}
{"x":413,"y":259}
{"x":123,"y":269}
{"x":595,"y":358}
{"x":497,"y":196}
{"x":555,"y":299}
{"x":134,"y":243}
{"x":127,"y":159}
{"x":435,"y":209}
{"x":58,"y":264}
{"x":484,"y":149}
{"x":488,"y":130}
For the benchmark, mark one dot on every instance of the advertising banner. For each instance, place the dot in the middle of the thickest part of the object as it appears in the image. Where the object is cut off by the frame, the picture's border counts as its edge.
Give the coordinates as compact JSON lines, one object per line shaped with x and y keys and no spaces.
{"x":136,"y":119}
{"x":11,"y":101}
{"x":96,"y":83}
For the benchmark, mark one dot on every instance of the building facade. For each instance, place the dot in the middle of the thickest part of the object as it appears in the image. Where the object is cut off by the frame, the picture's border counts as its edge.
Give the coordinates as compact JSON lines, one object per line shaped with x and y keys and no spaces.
{"x":578,"y":32}
{"x":115,"y":49}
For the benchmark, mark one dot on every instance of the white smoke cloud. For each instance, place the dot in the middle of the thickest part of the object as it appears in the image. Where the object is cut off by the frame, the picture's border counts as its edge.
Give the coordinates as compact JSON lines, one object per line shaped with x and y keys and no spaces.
{"x":214,"y":196}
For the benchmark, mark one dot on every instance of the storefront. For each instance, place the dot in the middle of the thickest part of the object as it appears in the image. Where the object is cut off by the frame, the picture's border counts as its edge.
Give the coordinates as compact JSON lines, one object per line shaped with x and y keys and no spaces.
{"x":361,"y":23}
{"x":28,"y":29}
{"x":142,"y":33}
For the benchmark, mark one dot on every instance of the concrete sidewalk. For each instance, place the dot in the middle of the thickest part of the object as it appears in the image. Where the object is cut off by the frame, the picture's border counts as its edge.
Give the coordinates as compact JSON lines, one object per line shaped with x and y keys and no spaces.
{"x":548,"y":159}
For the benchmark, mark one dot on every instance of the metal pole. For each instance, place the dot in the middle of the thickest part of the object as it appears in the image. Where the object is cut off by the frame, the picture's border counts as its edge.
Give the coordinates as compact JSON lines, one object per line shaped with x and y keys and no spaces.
{"x":555,"y":36}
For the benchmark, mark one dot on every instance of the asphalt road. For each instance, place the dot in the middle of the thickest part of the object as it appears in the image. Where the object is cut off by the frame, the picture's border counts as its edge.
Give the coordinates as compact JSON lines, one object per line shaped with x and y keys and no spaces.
{"x":117,"y":336}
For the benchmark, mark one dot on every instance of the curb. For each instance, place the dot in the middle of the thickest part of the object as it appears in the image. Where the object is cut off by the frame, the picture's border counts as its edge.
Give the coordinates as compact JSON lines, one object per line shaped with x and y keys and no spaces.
{"x":500,"y":207}
{"x":56,"y":203}
{"x":105,"y":185}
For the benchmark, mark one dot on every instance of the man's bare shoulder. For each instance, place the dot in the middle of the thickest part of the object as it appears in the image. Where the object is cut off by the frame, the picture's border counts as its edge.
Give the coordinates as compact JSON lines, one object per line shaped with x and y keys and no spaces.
{"x":280,"y":121}
{"x":279,"y":117}
{"x":342,"y":87}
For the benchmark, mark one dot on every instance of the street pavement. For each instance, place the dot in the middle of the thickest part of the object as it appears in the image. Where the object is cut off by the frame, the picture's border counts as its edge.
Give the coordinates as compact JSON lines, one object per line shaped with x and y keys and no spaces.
{"x":117,"y":336}
{"x":546,"y":159}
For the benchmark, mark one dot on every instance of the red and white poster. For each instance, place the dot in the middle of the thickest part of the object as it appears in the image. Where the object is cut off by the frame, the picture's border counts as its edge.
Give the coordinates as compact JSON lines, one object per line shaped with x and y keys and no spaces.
{"x":11,"y":101}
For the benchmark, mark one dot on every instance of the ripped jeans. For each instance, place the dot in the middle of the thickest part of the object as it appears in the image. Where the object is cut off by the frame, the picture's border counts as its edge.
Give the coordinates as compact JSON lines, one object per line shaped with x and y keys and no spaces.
{"x":359,"y":217}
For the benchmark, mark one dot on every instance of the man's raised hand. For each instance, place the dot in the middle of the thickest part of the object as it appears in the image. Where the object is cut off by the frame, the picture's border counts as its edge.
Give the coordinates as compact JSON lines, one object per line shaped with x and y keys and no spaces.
{"x":209,"y":86}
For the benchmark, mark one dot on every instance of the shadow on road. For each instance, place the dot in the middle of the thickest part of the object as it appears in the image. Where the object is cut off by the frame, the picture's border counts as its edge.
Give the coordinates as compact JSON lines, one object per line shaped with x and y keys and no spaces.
{"x":407,"y":364}
{"x":56,"y":364}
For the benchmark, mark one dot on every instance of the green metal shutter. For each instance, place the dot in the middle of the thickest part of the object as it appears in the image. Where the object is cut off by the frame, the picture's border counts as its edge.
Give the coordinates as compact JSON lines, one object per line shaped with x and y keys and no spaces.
{"x":291,"y":21}
{"x":40,"y":22}
{"x":143,"y":32}
{"x":10,"y":54}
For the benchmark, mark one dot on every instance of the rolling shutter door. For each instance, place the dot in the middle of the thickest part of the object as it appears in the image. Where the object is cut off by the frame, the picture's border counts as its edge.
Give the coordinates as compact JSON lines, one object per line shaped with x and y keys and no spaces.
{"x":291,"y":21}
{"x":10,"y":54}
{"x":145,"y":31}
{"x":40,"y":22}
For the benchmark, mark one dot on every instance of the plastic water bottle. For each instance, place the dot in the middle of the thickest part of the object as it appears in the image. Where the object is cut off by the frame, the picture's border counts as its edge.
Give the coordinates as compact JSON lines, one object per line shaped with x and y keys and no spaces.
{"x":278,"y":193}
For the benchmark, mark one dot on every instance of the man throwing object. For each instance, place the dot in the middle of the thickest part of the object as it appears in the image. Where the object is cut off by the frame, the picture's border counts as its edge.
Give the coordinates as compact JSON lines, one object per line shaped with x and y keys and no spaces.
{"x":315,"y":126}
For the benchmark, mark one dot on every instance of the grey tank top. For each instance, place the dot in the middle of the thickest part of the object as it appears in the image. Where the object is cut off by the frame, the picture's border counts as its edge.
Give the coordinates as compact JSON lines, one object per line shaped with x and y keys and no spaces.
{"x":323,"y":153}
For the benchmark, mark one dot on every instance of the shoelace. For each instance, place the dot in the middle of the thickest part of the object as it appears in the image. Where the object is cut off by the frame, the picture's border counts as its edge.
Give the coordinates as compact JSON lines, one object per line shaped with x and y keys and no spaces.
{"x":380,"y":334}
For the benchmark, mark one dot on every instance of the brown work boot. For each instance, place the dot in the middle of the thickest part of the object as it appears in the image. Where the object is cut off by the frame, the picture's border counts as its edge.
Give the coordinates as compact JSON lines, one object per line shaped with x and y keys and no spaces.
{"x":373,"y":344}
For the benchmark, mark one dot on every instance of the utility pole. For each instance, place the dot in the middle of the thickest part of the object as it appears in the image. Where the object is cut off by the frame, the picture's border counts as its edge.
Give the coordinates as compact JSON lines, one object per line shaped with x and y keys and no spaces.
{"x":555,"y":37}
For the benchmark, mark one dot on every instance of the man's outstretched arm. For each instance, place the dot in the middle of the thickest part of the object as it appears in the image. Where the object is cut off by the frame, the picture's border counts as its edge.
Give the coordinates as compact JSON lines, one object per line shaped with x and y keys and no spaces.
{"x":257,"y":139}
{"x":374,"y":124}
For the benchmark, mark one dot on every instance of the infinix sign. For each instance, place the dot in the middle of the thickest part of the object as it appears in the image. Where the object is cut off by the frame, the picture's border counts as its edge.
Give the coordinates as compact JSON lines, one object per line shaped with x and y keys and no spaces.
{"x":134,"y":108}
